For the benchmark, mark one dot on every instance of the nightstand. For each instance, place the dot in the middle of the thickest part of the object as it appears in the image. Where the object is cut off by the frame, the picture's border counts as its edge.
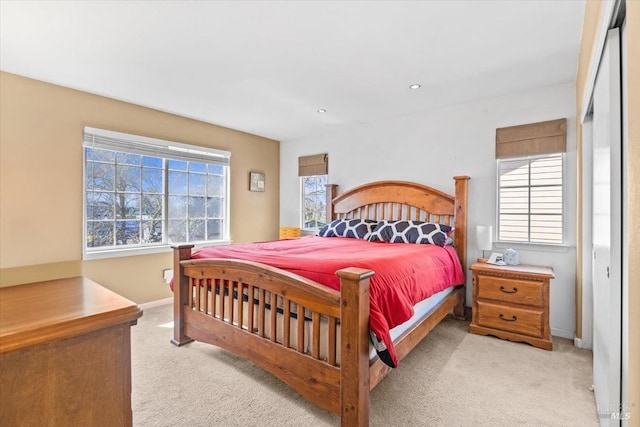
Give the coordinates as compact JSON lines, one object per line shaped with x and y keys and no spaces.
{"x":289,"y":232}
{"x":512,"y":302}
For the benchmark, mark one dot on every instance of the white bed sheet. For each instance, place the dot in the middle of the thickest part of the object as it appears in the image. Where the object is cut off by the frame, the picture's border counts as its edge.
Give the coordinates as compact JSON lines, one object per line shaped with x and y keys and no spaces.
{"x":421,"y":309}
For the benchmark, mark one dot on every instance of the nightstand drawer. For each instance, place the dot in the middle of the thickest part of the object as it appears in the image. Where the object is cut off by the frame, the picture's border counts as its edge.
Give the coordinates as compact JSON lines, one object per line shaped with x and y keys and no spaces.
{"x":513,"y":291}
{"x":507,"y":318}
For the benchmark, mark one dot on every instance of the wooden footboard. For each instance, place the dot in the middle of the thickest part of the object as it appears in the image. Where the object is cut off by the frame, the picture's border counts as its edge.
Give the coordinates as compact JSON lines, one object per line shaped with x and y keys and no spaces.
{"x":272,"y":318}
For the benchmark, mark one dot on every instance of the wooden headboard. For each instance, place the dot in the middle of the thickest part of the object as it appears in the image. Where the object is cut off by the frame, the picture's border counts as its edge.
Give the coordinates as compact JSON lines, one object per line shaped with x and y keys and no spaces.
{"x":401,"y":200}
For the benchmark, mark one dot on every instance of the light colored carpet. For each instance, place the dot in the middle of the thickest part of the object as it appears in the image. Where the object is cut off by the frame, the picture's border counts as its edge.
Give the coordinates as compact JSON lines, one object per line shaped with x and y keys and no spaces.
{"x":452,"y":378}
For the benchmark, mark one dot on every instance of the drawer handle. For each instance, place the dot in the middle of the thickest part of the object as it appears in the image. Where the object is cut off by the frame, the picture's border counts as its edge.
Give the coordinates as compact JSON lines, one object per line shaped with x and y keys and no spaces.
{"x":509,"y":292}
{"x":513,"y":318}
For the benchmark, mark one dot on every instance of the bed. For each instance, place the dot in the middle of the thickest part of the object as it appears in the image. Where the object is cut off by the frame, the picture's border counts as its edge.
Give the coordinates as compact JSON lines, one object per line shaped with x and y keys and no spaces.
{"x":313,"y":337}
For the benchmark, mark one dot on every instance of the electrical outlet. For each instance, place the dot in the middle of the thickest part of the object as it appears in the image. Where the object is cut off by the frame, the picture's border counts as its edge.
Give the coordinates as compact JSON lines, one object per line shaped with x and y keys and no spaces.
{"x":167,"y":275}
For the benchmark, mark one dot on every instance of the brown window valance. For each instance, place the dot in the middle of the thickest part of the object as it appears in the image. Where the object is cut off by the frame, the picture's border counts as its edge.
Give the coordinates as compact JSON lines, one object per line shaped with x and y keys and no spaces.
{"x":313,"y":165}
{"x":532,"y":139}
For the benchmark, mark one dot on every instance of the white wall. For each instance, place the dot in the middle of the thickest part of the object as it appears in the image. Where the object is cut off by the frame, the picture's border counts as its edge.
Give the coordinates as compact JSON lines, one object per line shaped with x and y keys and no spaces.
{"x":431,"y":147}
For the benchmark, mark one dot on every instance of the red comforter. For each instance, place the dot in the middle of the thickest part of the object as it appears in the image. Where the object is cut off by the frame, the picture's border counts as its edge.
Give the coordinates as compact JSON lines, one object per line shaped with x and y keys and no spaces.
{"x":405,"y":274}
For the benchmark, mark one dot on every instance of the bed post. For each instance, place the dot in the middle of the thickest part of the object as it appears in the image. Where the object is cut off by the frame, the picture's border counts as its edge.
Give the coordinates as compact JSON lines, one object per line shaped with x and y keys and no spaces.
{"x":354,"y":346}
{"x":460,"y":235}
{"x":180,"y":294}
{"x":331,"y":194}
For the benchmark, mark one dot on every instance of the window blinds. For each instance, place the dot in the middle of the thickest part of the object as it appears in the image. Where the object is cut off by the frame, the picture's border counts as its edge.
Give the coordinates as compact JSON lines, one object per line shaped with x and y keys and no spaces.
{"x":110,"y":140}
{"x":532,"y":139}
{"x":313,"y":165}
{"x":530,"y":200}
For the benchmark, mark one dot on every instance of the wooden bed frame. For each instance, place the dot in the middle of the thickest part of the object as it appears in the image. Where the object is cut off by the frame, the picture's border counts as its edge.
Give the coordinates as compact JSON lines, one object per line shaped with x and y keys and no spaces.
{"x":199,"y":312}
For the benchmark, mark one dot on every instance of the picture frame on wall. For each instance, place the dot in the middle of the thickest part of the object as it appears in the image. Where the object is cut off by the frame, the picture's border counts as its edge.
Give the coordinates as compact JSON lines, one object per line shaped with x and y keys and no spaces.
{"x":256,"y":181}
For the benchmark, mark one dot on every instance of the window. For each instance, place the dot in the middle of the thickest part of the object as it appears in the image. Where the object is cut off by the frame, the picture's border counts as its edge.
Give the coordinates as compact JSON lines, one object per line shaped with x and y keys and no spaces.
{"x":141,"y":193}
{"x":314,"y":198}
{"x":313,"y":171}
{"x":530,"y":199}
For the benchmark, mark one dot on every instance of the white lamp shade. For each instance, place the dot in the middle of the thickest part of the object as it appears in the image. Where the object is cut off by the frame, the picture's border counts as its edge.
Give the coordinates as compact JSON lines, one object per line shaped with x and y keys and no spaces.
{"x":484,"y":237}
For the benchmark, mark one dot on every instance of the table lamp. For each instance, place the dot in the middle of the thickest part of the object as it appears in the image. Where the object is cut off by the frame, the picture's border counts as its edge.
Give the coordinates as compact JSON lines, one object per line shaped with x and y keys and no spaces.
{"x":484,"y":238}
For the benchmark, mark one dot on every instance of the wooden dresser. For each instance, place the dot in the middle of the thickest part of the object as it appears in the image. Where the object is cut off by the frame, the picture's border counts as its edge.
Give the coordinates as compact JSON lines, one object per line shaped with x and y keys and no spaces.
{"x":65,"y":354}
{"x":512,"y":302}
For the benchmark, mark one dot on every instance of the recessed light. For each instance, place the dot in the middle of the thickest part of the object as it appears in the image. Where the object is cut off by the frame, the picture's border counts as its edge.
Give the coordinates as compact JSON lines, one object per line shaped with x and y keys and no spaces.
{"x":415,"y":86}
{"x":322,"y":110}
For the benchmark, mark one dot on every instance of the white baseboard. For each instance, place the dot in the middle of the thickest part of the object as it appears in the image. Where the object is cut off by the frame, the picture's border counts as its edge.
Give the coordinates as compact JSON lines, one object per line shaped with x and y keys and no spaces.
{"x":563,"y":333}
{"x":583,"y":343}
{"x":157,"y":303}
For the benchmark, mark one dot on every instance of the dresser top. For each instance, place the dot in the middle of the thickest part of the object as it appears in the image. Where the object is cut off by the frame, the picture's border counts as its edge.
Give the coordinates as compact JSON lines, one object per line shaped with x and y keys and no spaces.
{"x":45,"y":311}
{"x":532,"y":270}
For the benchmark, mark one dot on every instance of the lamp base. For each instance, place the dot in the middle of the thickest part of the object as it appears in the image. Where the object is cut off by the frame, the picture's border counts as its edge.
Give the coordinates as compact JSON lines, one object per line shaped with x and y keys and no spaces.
{"x":484,"y":258}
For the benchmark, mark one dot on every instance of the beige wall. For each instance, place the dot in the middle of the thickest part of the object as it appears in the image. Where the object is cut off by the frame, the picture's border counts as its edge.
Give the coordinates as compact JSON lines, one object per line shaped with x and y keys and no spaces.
{"x":41,"y":183}
{"x":632,"y":229}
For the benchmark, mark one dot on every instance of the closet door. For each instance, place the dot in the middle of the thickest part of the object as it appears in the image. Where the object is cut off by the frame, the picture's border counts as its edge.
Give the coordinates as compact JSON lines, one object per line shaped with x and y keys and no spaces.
{"x":607,"y":233}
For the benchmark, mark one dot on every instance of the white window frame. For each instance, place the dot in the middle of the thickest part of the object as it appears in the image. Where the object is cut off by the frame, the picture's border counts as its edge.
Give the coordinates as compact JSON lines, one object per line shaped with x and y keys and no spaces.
{"x":302,"y":199}
{"x":168,"y":150}
{"x":530,"y":243}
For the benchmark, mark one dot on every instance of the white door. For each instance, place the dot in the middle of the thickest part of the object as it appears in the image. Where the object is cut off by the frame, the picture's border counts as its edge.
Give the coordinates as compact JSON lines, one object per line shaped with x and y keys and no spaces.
{"x":607,"y":233}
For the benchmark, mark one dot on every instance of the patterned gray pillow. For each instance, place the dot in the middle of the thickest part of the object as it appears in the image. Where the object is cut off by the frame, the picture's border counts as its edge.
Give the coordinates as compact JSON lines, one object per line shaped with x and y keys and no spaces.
{"x":410,"y":232}
{"x":354,"y":228}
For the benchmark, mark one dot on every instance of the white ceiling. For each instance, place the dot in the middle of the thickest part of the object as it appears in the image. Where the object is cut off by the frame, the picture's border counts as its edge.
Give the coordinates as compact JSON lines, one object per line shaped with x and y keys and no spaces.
{"x":266,"y":67}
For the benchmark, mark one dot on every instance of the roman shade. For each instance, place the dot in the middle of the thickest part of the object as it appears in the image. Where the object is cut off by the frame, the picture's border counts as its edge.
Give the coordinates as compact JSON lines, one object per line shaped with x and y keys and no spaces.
{"x":532,"y":139}
{"x":313,"y":165}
